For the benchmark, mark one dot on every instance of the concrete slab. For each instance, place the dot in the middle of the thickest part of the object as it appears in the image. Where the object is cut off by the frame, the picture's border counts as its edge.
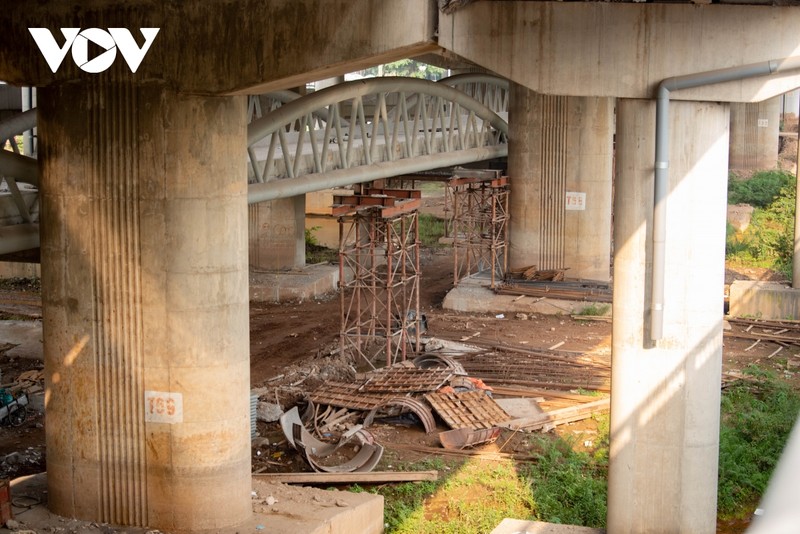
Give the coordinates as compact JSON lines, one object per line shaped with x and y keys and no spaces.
{"x":518,"y":526}
{"x":473,"y":295}
{"x":765,"y":300}
{"x":26,"y":335}
{"x":293,"y":510}
{"x":306,"y":283}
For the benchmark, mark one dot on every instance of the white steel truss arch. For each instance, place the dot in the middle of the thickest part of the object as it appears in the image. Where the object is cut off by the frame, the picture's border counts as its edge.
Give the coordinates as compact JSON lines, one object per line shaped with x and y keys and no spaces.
{"x":376,"y":128}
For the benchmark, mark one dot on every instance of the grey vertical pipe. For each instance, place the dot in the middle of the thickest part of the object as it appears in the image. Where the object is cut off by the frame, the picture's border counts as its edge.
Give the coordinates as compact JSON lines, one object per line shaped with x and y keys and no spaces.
{"x":661,"y":188}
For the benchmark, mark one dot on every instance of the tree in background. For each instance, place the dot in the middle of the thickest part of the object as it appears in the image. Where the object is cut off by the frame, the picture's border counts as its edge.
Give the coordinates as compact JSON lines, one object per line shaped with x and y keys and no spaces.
{"x":408,"y":68}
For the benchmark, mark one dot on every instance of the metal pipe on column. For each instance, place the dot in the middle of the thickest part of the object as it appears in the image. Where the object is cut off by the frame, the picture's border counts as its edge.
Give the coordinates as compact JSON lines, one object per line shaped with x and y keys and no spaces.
{"x":661,"y":188}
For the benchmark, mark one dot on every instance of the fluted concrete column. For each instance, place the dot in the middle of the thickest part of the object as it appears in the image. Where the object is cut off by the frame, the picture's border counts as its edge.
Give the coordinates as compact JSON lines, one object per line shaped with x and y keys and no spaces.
{"x":754,"y":135}
{"x":277,"y":234}
{"x":145,"y":302}
{"x":665,"y":396}
{"x":560,"y":166}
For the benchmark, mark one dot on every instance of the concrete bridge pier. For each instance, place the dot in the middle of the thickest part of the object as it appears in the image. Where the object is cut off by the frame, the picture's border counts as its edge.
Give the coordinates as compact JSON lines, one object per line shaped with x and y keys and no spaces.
{"x":145,"y":303}
{"x":754,"y":141}
{"x":666,"y":393}
{"x":560,"y":164}
{"x":277,"y":234}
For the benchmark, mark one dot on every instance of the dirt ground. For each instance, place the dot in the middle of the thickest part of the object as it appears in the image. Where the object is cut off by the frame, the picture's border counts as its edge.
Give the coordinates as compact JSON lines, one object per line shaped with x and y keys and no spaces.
{"x":291,"y":352}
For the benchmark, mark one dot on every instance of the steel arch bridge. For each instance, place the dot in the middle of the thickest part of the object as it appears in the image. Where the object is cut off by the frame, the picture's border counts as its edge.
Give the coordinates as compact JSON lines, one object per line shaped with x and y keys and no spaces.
{"x":349,"y":133}
{"x":368,"y":129}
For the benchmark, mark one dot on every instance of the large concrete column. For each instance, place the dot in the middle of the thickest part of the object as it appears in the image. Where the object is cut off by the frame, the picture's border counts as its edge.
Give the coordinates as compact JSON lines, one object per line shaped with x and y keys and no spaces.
{"x":144,"y":277}
{"x":754,"y":135}
{"x":665,"y":395}
{"x":560,"y":165}
{"x":277,"y":234}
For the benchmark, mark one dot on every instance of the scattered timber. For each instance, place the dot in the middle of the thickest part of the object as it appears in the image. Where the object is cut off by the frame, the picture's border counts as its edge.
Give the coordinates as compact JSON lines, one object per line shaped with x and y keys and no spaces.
{"x":556,"y":290}
{"x":375,"y":477}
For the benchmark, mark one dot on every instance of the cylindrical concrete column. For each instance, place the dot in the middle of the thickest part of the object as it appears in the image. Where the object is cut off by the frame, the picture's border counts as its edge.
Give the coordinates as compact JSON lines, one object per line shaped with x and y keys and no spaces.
{"x":277,"y":233}
{"x":560,"y":166}
{"x":665,"y":398}
{"x":754,"y":135}
{"x":145,"y":303}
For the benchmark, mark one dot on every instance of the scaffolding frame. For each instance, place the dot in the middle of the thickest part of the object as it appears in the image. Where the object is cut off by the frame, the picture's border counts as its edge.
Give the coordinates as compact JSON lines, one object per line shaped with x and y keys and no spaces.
{"x":479,"y":225}
{"x":379,"y":304}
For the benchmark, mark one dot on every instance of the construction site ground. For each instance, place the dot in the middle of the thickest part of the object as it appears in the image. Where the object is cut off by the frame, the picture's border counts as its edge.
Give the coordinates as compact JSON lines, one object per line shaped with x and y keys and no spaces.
{"x":293,"y":351}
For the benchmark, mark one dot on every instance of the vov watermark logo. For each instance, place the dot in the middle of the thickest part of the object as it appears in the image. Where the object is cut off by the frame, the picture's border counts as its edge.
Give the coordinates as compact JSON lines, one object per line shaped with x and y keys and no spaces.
{"x":110,"y":41}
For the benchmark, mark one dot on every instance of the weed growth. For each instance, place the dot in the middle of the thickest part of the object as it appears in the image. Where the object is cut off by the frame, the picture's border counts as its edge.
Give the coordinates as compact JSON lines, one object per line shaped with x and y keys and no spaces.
{"x":769,"y":240}
{"x":760,"y":190}
{"x":431,"y":228}
{"x":757,"y":418}
{"x":569,"y":487}
{"x":595,"y":310}
{"x":316,"y":253}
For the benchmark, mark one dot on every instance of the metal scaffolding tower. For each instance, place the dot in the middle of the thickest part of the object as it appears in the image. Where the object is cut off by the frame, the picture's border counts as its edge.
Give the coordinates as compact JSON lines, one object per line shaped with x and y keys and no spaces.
{"x":479,"y":201}
{"x":379,"y":274}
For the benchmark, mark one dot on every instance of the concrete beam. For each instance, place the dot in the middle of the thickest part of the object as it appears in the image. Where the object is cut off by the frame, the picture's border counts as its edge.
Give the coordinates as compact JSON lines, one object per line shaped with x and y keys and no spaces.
{"x":624,"y":49}
{"x":216,"y":47}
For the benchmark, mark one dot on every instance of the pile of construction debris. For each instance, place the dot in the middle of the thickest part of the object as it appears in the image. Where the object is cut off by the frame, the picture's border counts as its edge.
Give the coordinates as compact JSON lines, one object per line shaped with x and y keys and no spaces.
{"x":476,"y":391}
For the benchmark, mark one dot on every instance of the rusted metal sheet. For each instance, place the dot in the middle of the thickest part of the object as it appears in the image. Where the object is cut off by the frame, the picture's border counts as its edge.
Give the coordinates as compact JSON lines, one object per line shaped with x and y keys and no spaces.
{"x":460,"y":438}
{"x":344,"y":395}
{"x":406,"y":404}
{"x":405,"y":380}
{"x":365,"y":459}
{"x":439,"y":361}
{"x":469,"y":409}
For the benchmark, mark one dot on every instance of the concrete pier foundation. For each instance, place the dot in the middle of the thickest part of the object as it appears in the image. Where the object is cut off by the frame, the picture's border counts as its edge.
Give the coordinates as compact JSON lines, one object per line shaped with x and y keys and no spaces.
{"x":560,"y":165}
{"x":665,"y":394}
{"x":144,"y":277}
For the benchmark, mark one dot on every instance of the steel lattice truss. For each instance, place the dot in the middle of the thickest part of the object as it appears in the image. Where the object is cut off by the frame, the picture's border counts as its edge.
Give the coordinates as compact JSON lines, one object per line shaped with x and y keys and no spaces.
{"x":380,"y":303}
{"x":369,"y":122}
{"x":479,"y":226}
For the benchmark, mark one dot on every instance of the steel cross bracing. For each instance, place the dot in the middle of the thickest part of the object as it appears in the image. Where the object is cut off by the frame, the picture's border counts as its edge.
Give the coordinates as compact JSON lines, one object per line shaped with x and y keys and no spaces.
{"x":479,"y":201}
{"x":379,"y":276}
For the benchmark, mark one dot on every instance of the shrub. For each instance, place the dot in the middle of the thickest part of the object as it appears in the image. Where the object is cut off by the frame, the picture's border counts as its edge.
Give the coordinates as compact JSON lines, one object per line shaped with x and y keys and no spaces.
{"x":760,"y":190}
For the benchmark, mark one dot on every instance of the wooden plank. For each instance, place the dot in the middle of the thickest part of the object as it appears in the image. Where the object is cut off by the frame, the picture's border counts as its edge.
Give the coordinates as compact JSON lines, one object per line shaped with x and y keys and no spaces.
{"x":560,"y":416}
{"x":374,"y":477}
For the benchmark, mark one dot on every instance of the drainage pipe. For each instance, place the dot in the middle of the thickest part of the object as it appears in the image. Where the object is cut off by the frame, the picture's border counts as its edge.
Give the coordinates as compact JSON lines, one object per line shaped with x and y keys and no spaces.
{"x":661,"y":189}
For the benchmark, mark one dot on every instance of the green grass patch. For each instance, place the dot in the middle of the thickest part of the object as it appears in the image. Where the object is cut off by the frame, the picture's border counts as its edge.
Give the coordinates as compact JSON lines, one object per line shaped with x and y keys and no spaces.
{"x":756,"y":420}
{"x":431,"y":228}
{"x":569,"y":487}
{"x":595,"y":310}
{"x":560,"y":485}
